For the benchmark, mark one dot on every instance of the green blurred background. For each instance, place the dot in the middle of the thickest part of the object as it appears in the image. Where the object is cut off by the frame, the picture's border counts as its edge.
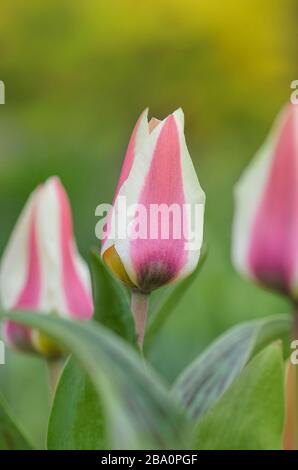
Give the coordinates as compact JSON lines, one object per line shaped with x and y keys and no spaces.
{"x":78,"y":74}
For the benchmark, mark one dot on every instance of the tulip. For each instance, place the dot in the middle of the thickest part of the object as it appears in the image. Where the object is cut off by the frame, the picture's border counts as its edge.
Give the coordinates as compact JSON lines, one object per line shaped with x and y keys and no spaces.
{"x":157,"y":173}
{"x":41,"y":269}
{"x":265,"y":231}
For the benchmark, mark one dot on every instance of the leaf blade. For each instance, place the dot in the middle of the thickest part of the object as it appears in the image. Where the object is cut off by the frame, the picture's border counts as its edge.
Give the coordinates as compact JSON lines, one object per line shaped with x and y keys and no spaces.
{"x":79,"y":424}
{"x":208,"y":376}
{"x":111,"y":302}
{"x":11,"y":437}
{"x":250,"y":415}
{"x":141,"y":412}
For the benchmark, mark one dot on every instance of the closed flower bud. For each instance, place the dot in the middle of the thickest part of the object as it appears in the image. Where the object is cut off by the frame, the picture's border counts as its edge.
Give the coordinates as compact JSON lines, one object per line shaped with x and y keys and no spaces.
{"x":161,"y":237}
{"x":41,"y":269}
{"x":265,"y":231}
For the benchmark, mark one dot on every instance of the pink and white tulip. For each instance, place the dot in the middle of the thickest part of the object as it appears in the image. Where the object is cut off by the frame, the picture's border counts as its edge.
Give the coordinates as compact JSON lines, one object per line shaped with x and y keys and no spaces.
{"x":41,"y":269}
{"x":157,"y":170}
{"x":265,"y":232}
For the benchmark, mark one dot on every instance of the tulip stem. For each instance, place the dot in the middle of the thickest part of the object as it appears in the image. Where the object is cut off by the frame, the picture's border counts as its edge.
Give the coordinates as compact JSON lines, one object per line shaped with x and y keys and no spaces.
{"x":139,"y":308}
{"x":54,"y":367}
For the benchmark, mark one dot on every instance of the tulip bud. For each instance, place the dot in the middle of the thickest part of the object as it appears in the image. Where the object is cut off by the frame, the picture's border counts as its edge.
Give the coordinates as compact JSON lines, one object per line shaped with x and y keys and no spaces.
{"x":159,"y":233}
{"x":157,"y":173}
{"x":265,"y":230}
{"x":41,"y":269}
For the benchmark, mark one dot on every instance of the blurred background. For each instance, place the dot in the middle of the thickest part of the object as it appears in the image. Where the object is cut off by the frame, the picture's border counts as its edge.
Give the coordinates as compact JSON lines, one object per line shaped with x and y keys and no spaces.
{"x":77,"y":76}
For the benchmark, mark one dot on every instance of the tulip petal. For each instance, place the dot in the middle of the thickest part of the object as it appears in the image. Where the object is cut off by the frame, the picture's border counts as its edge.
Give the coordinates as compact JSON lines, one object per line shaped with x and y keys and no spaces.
{"x":17,"y":336}
{"x":139,"y":135}
{"x":20,"y":276}
{"x":195,"y":200}
{"x":266,"y":218}
{"x":41,"y":269}
{"x":160,"y":175}
{"x":156,"y":262}
{"x":66,"y":280}
{"x":76,"y":277}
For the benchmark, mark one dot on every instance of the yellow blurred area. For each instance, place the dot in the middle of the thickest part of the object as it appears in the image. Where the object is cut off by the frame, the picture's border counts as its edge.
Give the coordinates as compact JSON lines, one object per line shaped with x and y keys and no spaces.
{"x":239,"y":50}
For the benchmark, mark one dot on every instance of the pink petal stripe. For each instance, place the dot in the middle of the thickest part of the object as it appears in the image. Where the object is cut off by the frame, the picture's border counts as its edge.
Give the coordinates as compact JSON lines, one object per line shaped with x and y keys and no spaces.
{"x":78,"y":299}
{"x":16,"y":335}
{"x":30,"y":294}
{"x":125,"y":170}
{"x":157,"y":261}
{"x":274,"y":248}
{"x":129,"y":157}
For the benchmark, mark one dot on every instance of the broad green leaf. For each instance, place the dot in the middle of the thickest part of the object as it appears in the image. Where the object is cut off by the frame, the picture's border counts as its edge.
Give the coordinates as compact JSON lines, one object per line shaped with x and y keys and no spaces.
{"x":140,"y":412}
{"x":77,"y":419}
{"x":11,"y":437}
{"x":24,"y":384}
{"x":111,"y":301}
{"x":250,"y":415}
{"x":173,"y":295}
{"x":206,"y":379}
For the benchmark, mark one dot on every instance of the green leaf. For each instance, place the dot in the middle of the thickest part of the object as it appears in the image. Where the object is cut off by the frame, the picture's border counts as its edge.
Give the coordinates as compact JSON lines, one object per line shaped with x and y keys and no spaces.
{"x":250,"y":415}
{"x":139,"y":410}
{"x":79,"y":424}
{"x":206,"y":379}
{"x":28,"y":373}
{"x":111,"y":301}
{"x":174,"y":294}
{"x":11,"y":437}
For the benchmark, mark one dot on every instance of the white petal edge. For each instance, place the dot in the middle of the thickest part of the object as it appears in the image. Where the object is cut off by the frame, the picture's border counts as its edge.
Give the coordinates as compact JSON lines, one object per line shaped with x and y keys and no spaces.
{"x":131,"y":190}
{"x":194,"y":197}
{"x":14,"y":263}
{"x":53,"y":295}
{"x":48,"y":227}
{"x":142,"y":135}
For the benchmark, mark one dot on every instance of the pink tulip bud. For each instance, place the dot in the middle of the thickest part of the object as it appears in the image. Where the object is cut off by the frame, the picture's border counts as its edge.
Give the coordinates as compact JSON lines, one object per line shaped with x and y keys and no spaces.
{"x":157,"y":173}
{"x":265,"y":232}
{"x":41,"y":269}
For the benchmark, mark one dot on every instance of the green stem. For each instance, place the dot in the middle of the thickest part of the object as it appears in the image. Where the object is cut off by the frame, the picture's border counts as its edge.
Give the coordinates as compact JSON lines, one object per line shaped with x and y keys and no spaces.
{"x":139,"y":308}
{"x":54,"y":367}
